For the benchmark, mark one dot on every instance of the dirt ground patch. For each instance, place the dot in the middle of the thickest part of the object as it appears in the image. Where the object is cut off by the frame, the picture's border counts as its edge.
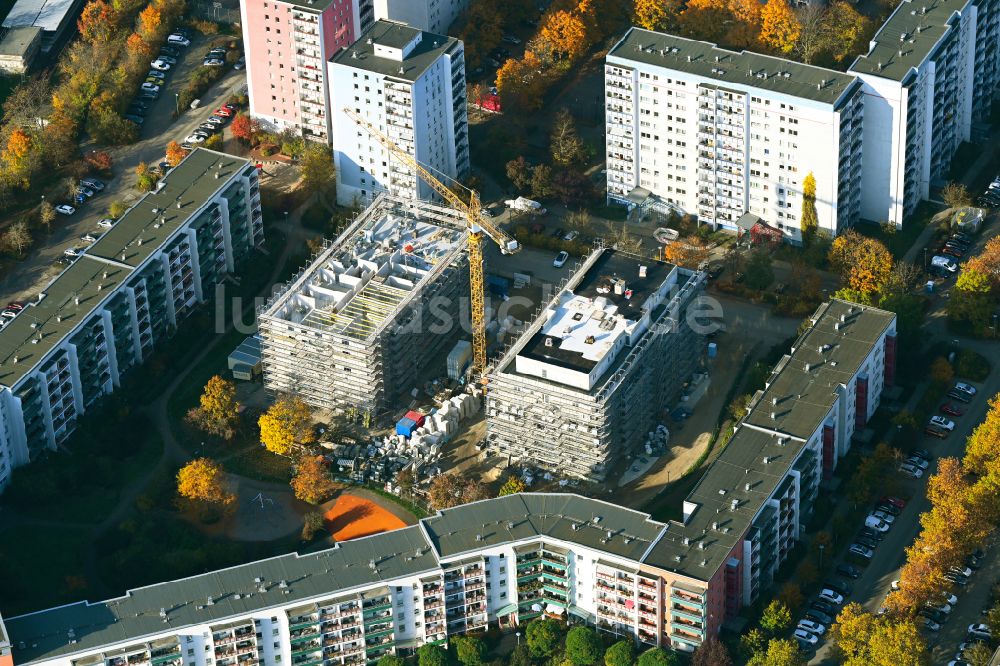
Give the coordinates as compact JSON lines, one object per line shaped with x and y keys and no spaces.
{"x":351,"y":516}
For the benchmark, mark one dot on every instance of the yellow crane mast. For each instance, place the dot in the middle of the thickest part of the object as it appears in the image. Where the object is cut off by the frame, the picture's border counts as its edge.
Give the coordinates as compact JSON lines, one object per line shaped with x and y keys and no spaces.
{"x":477,"y":224}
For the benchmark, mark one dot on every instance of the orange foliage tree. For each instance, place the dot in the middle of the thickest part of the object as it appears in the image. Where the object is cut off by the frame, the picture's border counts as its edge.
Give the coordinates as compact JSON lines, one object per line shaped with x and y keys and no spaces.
{"x":96,"y":22}
{"x":780,"y":28}
{"x":312,"y":482}
{"x":520,"y":82}
{"x":175,"y":153}
{"x":202,"y":480}
{"x":566,"y":33}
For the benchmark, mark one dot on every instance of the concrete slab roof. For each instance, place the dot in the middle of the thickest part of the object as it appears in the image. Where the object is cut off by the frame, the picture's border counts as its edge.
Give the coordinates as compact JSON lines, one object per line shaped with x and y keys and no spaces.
{"x":16,"y":41}
{"x":45,"y":14}
{"x":727,"y":68}
{"x":804,"y":385}
{"x":910,"y":34}
{"x":361,"y":54}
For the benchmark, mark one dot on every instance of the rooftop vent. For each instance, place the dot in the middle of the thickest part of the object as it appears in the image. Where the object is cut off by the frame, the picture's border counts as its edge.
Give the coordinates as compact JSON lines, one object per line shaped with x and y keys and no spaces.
{"x":210,"y":602}
{"x":735,"y":504}
{"x":686,"y":541}
{"x":748,"y":487}
{"x":548,"y":342}
{"x":596,"y":519}
{"x":479,"y":537}
{"x":701,"y":545}
{"x":722,"y":491}
{"x":715,"y":525}
{"x":371,"y":565}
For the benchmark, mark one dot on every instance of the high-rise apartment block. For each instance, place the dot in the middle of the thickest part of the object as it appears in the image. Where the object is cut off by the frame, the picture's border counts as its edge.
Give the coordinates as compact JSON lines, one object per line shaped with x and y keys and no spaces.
{"x":717,"y":133}
{"x":430,"y":15}
{"x":509,"y":560}
{"x":362,"y":323}
{"x":583,"y":384}
{"x":288,"y":43}
{"x":409,"y":84}
{"x":105,"y":313}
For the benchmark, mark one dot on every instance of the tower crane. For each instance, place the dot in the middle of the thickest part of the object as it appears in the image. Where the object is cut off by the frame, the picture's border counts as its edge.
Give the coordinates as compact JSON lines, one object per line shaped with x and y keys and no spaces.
{"x":477,"y":224}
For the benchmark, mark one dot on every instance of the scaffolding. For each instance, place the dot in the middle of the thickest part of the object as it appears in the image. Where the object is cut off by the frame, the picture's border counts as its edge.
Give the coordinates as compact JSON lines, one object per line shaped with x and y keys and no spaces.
{"x":347,"y":331}
{"x":577,"y":432}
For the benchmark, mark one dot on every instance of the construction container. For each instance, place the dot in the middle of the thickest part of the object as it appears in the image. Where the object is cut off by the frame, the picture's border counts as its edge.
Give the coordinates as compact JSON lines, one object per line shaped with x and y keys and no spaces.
{"x":405,"y":427}
{"x":417,"y":417}
{"x":713,"y":350}
{"x":458,"y":359}
{"x":498,"y":285}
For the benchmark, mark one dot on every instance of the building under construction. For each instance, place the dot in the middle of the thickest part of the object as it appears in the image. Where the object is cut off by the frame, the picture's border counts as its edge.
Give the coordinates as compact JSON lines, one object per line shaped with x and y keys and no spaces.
{"x":356,"y":328}
{"x":590,"y":376}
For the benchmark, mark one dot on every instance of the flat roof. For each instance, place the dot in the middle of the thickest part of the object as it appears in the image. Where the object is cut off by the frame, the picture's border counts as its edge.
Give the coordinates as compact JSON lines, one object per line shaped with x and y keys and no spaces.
{"x":591,"y":316}
{"x":803,"y":386}
{"x":77,"y":292}
{"x":572,"y":518}
{"x":724,"y":67}
{"x":15,"y":42}
{"x":907,"y":37}
{"x":45,"y":14}
{"x":361,"y":54}
{"x":234,"y":592}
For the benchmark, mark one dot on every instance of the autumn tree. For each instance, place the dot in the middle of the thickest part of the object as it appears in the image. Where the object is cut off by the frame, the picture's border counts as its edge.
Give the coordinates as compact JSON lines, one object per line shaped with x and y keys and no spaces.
{"x":203,"y":480}
{"x":987,"y":262}
{"x":566,"y":33}
{"x":811,"y":38}
{"x":46,"y":215}
{"x":217,"y":412}
{"x":972,"y":300}
{"x":942,"y":371}
{"x":312,"y":523}
{"x":705,"y":20}
{"x":689,"y":252}
{"x":16,"y":158}
{"x":744,"y":30}
{"x":982,"y":450}
{"x":512,"y":485}
{"x":312,"y":482}
{"x":541,"y":181}
{"x":317,"y":168}
{"x":809,"y":223}
{"x":98,"y":160}
{"x":145,"y":177}
{"x":566,"y":145}
{"x":779,"y":28}
{"x":779,"y":652}
{"x":406,"y":479}
{"x":445,"y":491}
{"x":519,"y":174}
{"x":96,"y":23}
{"x":956,"y":195}
{"x":16,"y":239}
{"x":175,"y":154}
{"x":775,"y":618}
{"x":844,"y":30}
{"x":28,"y":103}
{"x":521,"y":82}
{"x":864,"y":263}
{"x":149,"y":24}
{"x":286,"y":424}
{"x":862,"y":639}
{"x":658,"y":15}
{"x":245,"y":128}
{"x":711,"y":653}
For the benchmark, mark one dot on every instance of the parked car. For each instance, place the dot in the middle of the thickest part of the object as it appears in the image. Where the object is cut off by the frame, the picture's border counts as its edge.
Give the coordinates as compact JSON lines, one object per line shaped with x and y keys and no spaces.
{"x":824,"y":606}
{"x":980,"y":630}
{"x":169,"y":51}
{"x":178,"y":40}
{"x":131,"y":117}
{"x":885,"y":507}
{"x":106,"y":223}
{"x":572,"y":235}
{"x":967,"y":389}
{"x":923,"y":453}
{"x":150,"y":87}
{"x":213,"y":62}
{"x":169,"y":59}
{"x":806,"y":637}
{"x":937,"y":616}
{"x":216,"y":120}
{"x":229,"y":106}
{"x":866,"y":541}
{"x":160,"y":64}
{"x":73,"y":251}
{"x":964,"y":571}
{"x":819,"y":617}
{"x":65,"y":209}
{"x":223,"y":111}
{"x":511,"y":39}
{"x":560,"y":259}
{"x":949,"y":598}
{"x":88,"y":238}
{"x":911,"y":471}
{"x":943,"y":423}
{"x":861,"y":551}
{"x":871,"y":534}
{"x":895,"y":501}
{"x":149,"y":94}
{"x":887,"y":517}
{"x":951,"y":410}
{"x":935,"y":432}
{"x":875,"y":523}
{"x":84,"y":191}
{"x":955,"y":578}
{"x":952,"y":251}
{"x":919,"y":463}
{"x":15,"y":305}
{"x":849,"y":570}
{"x":931,"y":625}
{"x":940,"y":607}
{"x":209,"y":127}
{"x":812,"y":627}
{"x":945,"y":263}
{"x":955,"y":394}
{"x":156,"y":75}
{"x":240,"y":63}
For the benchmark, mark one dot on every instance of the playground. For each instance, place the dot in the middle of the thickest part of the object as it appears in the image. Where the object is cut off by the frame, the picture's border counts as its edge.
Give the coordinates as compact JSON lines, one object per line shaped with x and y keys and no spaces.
{"x":360,"y":513}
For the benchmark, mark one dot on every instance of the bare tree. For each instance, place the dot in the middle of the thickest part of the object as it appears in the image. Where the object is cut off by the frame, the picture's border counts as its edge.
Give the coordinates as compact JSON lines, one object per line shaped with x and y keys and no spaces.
{"x":956,"y":195}
{"x":904,"y":276}
{"x":46,"y":215}
{"x":812,"y":31}
{"x":579,"y":220}
{"x":27,"y":105}
{"x":623,"y":241}
{"x":17,"y":238}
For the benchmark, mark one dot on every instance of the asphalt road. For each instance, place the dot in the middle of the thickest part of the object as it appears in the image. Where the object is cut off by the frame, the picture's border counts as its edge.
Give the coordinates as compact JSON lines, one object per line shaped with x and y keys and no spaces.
{"x":38,"y":269}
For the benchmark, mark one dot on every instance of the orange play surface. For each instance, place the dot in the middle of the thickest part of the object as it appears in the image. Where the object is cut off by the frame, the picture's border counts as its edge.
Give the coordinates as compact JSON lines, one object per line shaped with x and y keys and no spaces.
{"x":352,"y":517}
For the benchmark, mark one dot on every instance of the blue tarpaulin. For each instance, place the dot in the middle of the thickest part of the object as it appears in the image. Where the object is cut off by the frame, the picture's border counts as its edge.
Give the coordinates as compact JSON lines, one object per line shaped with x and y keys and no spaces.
{"x":405,"y":427}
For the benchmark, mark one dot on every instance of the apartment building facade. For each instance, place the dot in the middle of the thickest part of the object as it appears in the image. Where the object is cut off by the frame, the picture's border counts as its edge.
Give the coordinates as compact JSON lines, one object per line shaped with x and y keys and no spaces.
{"x":930,"y":73}
{"x":287,"y":44}
{"x":717,"y":134}
{"x":410,"y":84}
{"x":106,"y":312}
{"x":360,"y":325}
{"x":581,"y":386}
{"x":429,"y":15}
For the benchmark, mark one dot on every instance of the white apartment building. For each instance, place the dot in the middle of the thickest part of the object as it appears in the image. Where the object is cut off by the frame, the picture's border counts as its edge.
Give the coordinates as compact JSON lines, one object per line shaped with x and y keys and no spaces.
{"x":717,"y":133}
{"x":410,"y":84}
{"x":429,"y":15}
{"x":930,"y":73}
{"x":106,"y":312}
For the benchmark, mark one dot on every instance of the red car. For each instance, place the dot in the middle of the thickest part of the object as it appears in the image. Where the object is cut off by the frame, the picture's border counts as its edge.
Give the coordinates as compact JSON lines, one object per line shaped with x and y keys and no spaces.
{"x":895,"y":501}
{"x":224,"y":112}
{"x":955,"y":252}
{"x":951,"y":410}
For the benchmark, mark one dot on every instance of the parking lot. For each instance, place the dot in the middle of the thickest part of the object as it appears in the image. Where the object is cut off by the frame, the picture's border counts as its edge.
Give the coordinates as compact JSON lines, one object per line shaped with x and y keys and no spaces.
{"x":875,"y":580}
{"x":159,"y":128}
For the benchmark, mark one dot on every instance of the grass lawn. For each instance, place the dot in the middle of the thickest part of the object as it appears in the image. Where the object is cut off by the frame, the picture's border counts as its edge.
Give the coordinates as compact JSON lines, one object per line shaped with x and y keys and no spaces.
{"x":256,"y":462}
{"x":40,"y":568}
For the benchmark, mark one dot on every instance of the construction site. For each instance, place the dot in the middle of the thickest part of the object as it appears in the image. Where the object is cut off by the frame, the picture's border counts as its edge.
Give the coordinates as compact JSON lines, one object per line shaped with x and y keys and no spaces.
{"x":357,"y":327}
{"x":589,"y":378}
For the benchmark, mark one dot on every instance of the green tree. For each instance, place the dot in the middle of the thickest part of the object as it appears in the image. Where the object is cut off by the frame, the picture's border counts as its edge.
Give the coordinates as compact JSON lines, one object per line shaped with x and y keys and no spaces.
{"x":658,"y":657}
{"x":776,"y":618}
{"x":541,"y":181}
{"x":752,"y":642}
{"x":971,"y":301}
{"x":780,"y":652}
{"x":390,"y":660}
{"x":469,"y":650}
{"x":431,"y":655}
{"x":621,"y":653}
{"x":759,"y":273}
{"x":512,"y":485}
{"x":317,"y":167}
{"x":583,"y":646}
{"x":978,"y":655}
{"x":809,"y":223}
{"x":542,"y":636}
